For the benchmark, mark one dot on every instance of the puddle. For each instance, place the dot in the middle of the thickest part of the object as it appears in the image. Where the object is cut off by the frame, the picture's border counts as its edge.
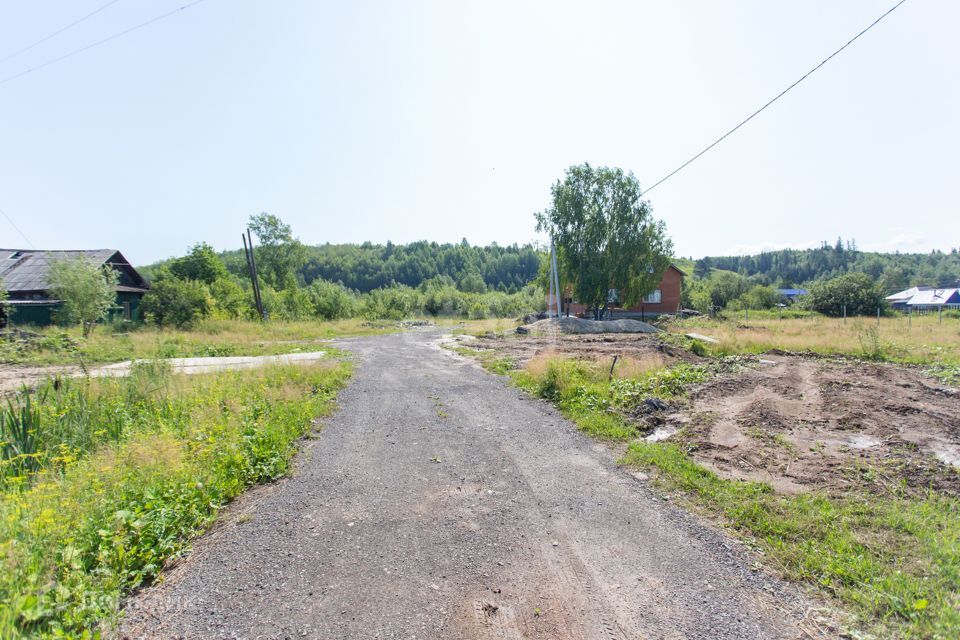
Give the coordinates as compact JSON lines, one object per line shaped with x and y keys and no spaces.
{"x":863,"y":442}
{"x":947,"y":454}
{"x":661,"y":433}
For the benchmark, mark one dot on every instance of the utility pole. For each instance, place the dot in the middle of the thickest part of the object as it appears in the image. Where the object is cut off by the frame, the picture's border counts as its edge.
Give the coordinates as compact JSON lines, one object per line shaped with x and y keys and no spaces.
{"x":550,"y":292}
{"x":252,"y":267}
{"x":555,"y":272}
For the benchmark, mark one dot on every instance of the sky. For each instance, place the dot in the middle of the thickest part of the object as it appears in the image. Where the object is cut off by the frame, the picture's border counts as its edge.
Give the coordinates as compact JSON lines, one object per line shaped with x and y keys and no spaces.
{"x":442,"y":120}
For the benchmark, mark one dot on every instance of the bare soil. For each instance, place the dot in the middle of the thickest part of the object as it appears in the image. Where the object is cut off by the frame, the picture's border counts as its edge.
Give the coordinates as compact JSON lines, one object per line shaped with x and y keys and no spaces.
{"x":830,"y":424}
{"x":521,"y":348}
{"x":794,"y":422}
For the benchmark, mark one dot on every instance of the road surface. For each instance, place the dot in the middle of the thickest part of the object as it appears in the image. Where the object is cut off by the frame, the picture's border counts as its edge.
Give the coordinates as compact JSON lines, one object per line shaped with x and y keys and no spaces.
{"x":440,"y":503}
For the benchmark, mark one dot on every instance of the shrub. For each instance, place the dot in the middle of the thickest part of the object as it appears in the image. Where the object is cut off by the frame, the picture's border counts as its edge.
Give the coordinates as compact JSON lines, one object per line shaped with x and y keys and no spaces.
{"x":331,"y":301}
{"x":857,"y":291}
{"x":87,"y":291}
{"x":172,"y":302}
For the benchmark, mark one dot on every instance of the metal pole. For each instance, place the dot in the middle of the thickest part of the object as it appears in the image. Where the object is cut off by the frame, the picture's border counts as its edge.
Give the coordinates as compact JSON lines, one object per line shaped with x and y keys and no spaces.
{"x":940,"y":314}
{"x":844,"y":314}
{"x":878,"y":316}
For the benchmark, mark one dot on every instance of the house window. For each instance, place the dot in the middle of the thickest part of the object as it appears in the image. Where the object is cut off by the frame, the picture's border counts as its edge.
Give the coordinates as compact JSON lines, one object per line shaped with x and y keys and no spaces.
{"x":126,"y":311}
{"x":654,"y":297}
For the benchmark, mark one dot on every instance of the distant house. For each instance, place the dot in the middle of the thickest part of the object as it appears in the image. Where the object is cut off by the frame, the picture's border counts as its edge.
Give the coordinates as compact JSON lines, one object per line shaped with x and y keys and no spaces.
{"x":900,"y":299}
{"x":26,"y":277}
{"x":933,"y":299}
{"x":792,"y":294}
{"x":925,"y":299}
{"x":665,"y":299}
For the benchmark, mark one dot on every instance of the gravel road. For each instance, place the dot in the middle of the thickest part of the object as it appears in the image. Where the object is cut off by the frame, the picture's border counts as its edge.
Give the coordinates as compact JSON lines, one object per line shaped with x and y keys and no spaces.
{"x":440,"y":503}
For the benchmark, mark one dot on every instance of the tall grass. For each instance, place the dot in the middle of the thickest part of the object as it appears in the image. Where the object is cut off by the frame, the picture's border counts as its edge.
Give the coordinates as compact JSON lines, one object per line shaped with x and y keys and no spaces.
{"x":210,"y":338}
{"x":126,"y":471}
{"x":917,"y":340}
{"x":586,"y":392}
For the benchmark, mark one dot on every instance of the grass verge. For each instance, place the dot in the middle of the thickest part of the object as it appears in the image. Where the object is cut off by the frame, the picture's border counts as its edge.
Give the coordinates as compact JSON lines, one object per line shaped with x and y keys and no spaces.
{"x":118,"y":475}
{"x":56,"y":346}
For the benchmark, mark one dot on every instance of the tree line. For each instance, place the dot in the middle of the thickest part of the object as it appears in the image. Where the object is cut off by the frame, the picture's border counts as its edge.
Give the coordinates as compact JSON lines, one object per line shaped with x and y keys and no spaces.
{"x":330,"y":282}
{"x":795,"y":267}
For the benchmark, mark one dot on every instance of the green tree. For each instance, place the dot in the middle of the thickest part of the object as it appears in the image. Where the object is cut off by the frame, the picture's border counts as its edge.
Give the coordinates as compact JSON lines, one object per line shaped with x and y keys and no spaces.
{"x":758,"y":296}
{"x":702,"y":268}
{"x":201,"y":263}
{"x":606,"y":236}
{"x":87,"y":291}
{"x":331,"y":301}
{"x":857,"y":291}
{"x":472,"y":282}
{"x":230,"y":300}
{"x":174,"y":302}
{"x":279,"y":255}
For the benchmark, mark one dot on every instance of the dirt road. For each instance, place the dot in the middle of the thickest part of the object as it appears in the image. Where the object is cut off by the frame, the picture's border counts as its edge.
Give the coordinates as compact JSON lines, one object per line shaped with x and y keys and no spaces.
{"x":440,"y":503}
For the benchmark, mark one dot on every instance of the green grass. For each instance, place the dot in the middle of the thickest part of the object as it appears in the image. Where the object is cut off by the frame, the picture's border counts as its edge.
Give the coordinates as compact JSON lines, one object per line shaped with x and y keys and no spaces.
{"x":893,"y":560}
{"x":584,"y":393}
{"x":122,"y":473}
{"x":57,"y":346}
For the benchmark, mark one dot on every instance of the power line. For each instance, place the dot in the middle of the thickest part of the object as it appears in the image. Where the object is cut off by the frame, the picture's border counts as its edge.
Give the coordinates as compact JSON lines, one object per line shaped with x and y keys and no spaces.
{"x":100,"y":42}
{"x":778,"y":96}
{"x":57,"y":32}
{"x":14,"y":225}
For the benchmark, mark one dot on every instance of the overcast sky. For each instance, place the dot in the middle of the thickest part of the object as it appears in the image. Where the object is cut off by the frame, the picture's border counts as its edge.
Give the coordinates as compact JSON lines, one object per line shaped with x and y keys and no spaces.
{"x":441,"y":120}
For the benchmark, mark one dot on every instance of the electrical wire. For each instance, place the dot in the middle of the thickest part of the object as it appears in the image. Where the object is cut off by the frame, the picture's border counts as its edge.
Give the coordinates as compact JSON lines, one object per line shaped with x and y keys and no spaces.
{"x":57,"y":32}
{"x":100,"y":42}
{"x":777,"y":97}
{"x":14,"y":225}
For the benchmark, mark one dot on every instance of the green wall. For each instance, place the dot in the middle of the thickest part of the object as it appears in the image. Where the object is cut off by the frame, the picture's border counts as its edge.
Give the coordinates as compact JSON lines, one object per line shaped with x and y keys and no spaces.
{"x":42,"y":315}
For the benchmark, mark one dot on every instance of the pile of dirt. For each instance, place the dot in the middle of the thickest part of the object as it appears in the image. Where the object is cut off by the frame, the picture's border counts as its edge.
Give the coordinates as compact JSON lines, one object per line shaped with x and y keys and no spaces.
{"x":637,"y":346}
{"x":806,"y":423}
{"x":581,"y":326}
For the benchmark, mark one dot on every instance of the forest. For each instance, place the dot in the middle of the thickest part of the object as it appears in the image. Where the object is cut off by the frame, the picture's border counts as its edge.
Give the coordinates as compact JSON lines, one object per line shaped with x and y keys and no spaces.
{"x":798,"y":267}
{"x":365,"y":267}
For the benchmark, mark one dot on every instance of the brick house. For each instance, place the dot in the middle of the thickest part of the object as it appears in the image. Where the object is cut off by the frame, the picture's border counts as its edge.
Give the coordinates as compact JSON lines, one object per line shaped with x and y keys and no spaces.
{"x":665,"y":299}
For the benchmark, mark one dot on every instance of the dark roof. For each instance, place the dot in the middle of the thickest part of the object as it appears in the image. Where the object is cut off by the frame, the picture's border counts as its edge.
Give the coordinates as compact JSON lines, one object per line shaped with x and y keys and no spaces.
{"x":29,"y":270}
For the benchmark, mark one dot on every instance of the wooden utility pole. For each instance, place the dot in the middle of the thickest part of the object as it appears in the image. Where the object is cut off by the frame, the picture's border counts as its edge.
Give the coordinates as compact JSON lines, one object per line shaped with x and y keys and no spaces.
{"x":252,"y":267}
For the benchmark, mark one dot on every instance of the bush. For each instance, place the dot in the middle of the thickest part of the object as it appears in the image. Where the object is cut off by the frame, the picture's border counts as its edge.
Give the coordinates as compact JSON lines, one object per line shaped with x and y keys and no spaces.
{"x":857,"y":291}
{"x":331,"y":301}
{"x":172,"y":302}
{"x":757,"y":297}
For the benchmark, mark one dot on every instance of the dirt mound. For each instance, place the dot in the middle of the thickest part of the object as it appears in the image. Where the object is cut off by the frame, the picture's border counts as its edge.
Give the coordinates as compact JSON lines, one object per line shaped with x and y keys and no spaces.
{"x":643,"y":347}
{"x":815,"y":423}
{"x":581,"y":326}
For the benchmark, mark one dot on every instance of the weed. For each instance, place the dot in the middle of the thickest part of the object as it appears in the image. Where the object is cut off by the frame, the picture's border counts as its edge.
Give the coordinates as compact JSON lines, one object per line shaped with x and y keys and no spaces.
{"x":126,"y":472}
